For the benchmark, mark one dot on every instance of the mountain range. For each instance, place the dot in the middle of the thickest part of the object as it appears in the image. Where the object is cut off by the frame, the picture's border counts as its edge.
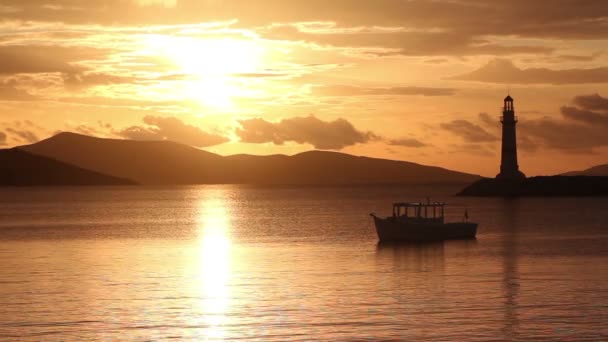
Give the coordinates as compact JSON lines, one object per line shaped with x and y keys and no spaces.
{"x":598,"y":170}
{"x":19,"y":168}
{"x":170,"y":163}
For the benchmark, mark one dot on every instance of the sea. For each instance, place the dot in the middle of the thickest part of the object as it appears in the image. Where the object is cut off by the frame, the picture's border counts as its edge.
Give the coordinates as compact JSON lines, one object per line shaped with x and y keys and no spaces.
{"x":235,"y":262}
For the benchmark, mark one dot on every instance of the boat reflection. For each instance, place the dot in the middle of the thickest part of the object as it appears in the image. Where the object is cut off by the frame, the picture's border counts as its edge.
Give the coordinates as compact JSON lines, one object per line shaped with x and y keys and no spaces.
{"x":413,"y":256}
{"x":511,"y":278}
{"x":214,"y":262}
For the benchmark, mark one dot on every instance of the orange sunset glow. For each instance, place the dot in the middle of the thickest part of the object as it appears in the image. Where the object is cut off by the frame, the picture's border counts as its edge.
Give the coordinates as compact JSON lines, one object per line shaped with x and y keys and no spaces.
{"x":304,"y":170}
{"x":419,"y":80}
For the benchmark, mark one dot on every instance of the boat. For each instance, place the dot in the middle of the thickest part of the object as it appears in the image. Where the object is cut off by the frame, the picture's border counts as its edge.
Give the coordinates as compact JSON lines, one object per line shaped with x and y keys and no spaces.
{"x":419,"y":221}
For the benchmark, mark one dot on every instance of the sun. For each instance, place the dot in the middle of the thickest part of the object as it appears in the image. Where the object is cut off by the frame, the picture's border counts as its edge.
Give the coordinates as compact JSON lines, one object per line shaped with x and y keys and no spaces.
{"x":212,"y":68}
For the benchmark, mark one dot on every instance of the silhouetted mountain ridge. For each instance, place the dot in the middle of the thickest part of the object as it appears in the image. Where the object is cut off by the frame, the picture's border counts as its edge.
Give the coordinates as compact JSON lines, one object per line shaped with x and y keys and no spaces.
{"x":20,"y":168}
{"x":542,"y":186}
{"x":598,"y":170}
{"x":165,"y":162}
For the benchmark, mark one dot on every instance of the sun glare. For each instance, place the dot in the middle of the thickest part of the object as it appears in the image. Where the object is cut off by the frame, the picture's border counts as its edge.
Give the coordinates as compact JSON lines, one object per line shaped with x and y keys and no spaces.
{"x":215,"y":259}
{"x":212,"y":67}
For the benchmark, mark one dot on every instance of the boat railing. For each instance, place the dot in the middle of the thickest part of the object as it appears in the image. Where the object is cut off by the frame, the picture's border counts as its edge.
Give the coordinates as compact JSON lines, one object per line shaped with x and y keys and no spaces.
{"x":419,"y":220}
{"x":419,"y":210}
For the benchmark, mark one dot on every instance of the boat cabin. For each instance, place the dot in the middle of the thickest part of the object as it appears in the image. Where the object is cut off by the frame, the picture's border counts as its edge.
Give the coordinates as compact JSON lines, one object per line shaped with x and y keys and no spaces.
{"x":430,"y":212}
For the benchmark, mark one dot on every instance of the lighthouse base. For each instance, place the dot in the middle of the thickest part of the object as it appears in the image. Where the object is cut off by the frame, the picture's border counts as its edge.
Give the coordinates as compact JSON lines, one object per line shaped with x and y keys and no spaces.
{"x":539,"y":186}
{"x":515,"y":175}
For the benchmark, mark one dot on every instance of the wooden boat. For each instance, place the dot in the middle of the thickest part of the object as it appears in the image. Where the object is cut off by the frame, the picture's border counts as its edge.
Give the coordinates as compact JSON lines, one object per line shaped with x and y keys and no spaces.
{"x":419,"y":221}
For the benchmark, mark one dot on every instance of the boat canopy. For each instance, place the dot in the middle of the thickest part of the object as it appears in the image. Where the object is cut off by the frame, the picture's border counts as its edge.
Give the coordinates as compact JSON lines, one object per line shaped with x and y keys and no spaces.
{"x":434,"y":210}
{"x":419,"y":204}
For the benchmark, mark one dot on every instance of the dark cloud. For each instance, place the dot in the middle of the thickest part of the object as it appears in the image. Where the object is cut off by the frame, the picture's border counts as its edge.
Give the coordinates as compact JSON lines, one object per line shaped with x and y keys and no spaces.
{"x":406,"y":142}
{"x":16,"y":59}
{"x":27,"y":61}
{"x":579,"y":58}
{"x":526,"y":143}
{"x":86,"y":79}
{"x":478,"y":149}
{"x":468,"y":131}
{"x":591,"y":102}
{"x":350,"y":90}
{"x":87,"y":130}
{"x":23,"y":134}
{"x":585,"y":116}
{"x":559,"y":59}
{"x":590,"y":109}
{"x":329,"y":135}
{"x":101,"y":131}
{"x":579,"y":130}
{"x":487,"y":120}
{"x":493,"y":128}
{"x":564,"y":135}
{"x":2,"y":138}
{"x":437,"y":61}
{"x":173,"y":129}
{"x":505,"y":72}
{"x":140,"y":133}
{"x":408,"y":43}
{"x":482,"y":137}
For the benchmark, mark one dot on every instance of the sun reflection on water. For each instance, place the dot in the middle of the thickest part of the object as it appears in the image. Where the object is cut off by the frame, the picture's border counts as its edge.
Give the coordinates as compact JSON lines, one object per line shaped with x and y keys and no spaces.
{"x":215,"y":262}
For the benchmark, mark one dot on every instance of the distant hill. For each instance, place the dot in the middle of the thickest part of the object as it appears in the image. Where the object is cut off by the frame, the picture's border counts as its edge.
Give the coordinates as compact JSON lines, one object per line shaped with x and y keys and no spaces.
{"x":599,"y":170}
{"x":19,"y":168}
{"x":552,"y":186}
{"x":164,"y":162}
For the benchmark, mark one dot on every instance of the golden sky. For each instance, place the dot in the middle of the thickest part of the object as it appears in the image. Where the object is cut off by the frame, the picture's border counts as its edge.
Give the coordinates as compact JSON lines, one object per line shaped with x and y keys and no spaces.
{"x":417,"y":80}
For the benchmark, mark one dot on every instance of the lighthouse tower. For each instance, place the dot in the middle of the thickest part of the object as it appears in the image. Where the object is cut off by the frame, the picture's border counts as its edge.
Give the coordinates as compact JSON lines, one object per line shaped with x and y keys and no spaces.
{"x":509,"y":170}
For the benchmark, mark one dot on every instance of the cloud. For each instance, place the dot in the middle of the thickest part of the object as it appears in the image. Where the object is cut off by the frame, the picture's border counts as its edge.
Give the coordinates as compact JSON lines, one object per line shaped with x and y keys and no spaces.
{"x":481,"y":136}
{"x":593,"y":110}
{"x":578,"y":131}
{"x":123,"y":102}
{"x":21,"y":132}
{"x":141,"y":133}
{"x":591,"y":102}
{"x":8,"y":92}
{"x":328,"y":135}
{"x":437,"y":61}
{"x":350,"y":90}
{"x":564,"y":135}
{"x":24,"y":135}
{"x":173,"y":129}
{"x":505,"y":72}
{"x":400,"y":41}
{"x":566,"y":19}
{"x":163,"y":3}
{"x":87,"y":130}
{"x":579,"y":58}
{"x":88,"y":79}
{"x":468,"y":131}
{"x":15,"y":59}
{"x":585,"y":116}
{"x":406,"y":142}
{"x":487,"y":120}
{"x":477,"y":149}
{"x":2,"y":138}
{"x":262,"y":74}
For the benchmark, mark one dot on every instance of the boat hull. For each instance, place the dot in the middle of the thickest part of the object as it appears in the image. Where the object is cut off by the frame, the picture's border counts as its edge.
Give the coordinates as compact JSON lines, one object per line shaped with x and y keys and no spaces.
{"x":393,"y":230}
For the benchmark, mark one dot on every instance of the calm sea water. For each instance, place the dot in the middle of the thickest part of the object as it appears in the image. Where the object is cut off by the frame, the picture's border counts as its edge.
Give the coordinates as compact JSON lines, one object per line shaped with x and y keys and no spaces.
{"x":237,"y":262}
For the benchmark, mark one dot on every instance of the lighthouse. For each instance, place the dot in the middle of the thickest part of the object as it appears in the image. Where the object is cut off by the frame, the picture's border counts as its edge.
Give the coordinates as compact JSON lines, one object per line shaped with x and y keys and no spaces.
{"x":509,"y":170}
